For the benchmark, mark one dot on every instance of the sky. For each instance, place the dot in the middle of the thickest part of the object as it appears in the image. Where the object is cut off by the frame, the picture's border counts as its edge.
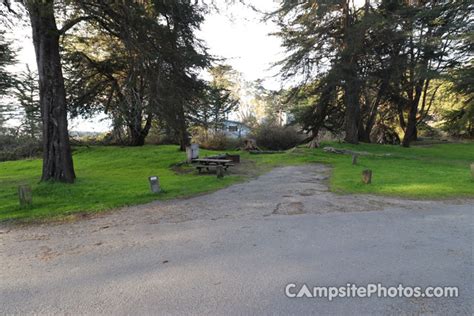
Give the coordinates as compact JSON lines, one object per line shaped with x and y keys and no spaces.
{"x":240,"y":35}
{"x":235,"y":33}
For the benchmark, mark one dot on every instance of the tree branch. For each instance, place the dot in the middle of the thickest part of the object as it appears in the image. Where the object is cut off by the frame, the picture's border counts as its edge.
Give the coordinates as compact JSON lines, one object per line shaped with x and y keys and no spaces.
{"x":7,"y":4}
{"x":71,"y":23}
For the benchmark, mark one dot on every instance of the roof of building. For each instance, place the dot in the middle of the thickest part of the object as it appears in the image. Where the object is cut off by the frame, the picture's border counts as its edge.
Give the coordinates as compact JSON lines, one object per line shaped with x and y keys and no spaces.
{"x":235,"y":122}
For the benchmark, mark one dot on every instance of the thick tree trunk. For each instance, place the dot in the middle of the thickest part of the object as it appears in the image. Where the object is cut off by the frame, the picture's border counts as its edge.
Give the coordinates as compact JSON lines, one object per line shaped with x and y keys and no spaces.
{"x":57,"y":156}
{"x":411,"y":131}
{"x":312,"y":141}
{"x":138,"y":133}
{"x":183,"y":139}
{"x":351,"y":86}
{"x":410,"y":128}
{"x":364,"y":133}
{"x":370,"y":125}
{"x":351,"y":119}
{"x":182,"y":130}
{"x":136,"y":138}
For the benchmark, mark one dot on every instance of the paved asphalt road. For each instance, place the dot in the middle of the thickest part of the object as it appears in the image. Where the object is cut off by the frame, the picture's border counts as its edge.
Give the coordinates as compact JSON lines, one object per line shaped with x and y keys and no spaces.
{"x":240,"y":265}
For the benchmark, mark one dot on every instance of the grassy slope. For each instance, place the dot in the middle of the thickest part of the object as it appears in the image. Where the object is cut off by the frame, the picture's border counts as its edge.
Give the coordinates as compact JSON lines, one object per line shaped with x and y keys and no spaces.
{"x":109,"y":177}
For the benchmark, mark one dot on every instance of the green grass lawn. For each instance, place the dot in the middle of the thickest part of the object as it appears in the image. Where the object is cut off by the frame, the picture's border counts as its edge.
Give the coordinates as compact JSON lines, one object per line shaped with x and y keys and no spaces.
{"x":107,"y":177}
{"x":110,"y":177}
{"x":438,"y":171}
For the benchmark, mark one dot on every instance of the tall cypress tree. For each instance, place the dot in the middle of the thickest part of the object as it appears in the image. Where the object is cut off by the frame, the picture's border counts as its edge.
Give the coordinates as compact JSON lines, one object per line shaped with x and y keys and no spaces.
{"x":57,"y":156}
{"x":7,"y":80}
{"x":323,"y":39}
{"x":384,"y":52}
{"x":144,"y":65}
{"x":27,"y":94}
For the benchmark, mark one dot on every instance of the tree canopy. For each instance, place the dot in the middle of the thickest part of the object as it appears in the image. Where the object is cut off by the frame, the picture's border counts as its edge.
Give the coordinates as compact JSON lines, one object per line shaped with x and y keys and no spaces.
{"x":376,"y":62}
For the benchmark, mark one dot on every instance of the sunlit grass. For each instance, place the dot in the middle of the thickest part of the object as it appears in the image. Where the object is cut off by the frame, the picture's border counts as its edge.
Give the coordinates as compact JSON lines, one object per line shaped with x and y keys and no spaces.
{"x":108,"y":177}
{"x":438,"y":171}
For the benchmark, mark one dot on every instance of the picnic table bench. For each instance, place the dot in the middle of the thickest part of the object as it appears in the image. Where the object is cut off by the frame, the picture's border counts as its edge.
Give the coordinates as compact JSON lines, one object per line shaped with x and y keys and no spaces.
{"x":206,"y":163}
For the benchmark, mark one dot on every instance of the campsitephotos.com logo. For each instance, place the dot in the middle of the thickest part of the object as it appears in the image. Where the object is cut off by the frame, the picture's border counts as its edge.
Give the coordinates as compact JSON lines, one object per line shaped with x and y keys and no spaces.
{"x":350,"y":290}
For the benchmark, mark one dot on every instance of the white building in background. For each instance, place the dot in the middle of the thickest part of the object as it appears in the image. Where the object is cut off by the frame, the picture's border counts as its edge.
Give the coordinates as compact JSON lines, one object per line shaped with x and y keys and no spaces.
{"x":235,"y":129}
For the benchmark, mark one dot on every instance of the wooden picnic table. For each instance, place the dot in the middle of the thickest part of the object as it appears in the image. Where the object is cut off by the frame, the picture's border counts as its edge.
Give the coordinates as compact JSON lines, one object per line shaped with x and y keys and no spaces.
{"x":206,"y":163}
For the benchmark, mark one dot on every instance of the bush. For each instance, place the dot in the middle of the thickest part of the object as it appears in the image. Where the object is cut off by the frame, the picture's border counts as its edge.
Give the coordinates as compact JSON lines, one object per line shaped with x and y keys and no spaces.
{"x":460,"y":122}
{"x":275,"y":137}
{"x":161,"y":136}
{"x":425,"y":130}
{"x":13,"y":147}
{"x":216,"y":140}
{"x":384,"y":134}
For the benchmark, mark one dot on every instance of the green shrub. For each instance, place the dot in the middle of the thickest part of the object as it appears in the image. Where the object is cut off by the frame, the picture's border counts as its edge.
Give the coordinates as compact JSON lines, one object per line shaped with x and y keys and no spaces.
{"x":275,"y":137}
{"x":425,"y":130}
{"x":460,"y":122}
{"x":215,"y":140}
{"x":13,"y":147}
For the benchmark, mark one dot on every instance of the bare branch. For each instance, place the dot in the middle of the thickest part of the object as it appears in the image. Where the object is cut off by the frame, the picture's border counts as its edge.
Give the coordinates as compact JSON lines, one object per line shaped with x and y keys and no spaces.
{"x":7,"y":4}
{"x":71,"y":23}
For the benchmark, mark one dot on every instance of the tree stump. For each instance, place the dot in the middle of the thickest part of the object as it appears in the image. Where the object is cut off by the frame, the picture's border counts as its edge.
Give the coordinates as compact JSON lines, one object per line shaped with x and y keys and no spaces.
{"x":220,"y":171}
{"x":313,"y":143}
{"x":154,"y":184}
{"x":354,"y":159}
{"x":25,"y":196}
{"x":472,"y":170}
{"x":250,"y":144}
{"x":367,"y":176}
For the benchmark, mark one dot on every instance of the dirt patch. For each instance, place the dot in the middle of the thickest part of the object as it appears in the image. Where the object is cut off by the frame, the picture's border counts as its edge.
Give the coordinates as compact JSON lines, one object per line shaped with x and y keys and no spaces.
{"x":46,"y":254}
{"x":182,"y":169}
{"x":292,"y":208}
{"x":308,"y":192}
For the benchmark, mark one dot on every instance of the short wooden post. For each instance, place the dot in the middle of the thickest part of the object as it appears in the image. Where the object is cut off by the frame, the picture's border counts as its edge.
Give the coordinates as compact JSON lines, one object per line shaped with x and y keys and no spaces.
{"x":25,"y":196}
{"x":354,"y":159}
{"x":154,"y":184}
{"x":220,"y":171}
{"x":367,"y":176}
{"x":472,"y":170}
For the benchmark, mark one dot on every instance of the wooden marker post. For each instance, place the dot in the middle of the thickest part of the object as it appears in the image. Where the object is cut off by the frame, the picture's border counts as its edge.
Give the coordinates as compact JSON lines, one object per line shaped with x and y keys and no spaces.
{"x":367,"y":176}
{"x":220,"y":171}
{"x":472,"y":170}
{"x":354,"y":159}
{"x":25,"y":196}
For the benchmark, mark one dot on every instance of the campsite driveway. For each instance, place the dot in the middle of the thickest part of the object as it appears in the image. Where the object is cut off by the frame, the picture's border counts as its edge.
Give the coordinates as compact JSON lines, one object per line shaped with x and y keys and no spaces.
{"x":233,"y":252}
